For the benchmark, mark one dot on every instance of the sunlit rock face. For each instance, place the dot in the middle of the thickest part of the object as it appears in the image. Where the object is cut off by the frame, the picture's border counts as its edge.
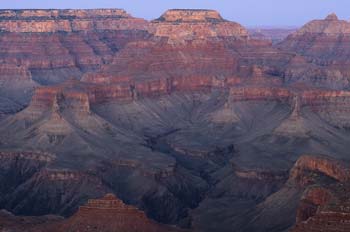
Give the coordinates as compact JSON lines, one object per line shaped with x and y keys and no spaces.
{"x":68,"y":20}
{"x":181,"y":25}
{"x":47,"y":47}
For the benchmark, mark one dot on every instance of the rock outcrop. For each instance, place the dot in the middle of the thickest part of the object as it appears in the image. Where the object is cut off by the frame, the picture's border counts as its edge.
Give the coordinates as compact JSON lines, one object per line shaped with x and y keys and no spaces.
{"x":181,"y":25}
{"x":158,"y":112}
{"x":106,"y":214}
{"x":68,"y":20}
{"x":324,"y":207}
{"x":80,"y":41}
{"x":324,"y":44}
{"x":326,"y":166}
{"x":110,"y":214}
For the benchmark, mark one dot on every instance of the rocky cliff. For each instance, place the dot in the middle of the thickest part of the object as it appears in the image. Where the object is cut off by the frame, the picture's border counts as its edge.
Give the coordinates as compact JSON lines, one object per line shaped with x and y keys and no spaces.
{"x":68,"y":20}
{"x":186,"y":117}
{"x":182,"y":25}
{"x":110,"y":214}
{"x":104,"y":214}
{"x":324,"y":44}
{"x":325,"y":206}
{"x":45,"y":47}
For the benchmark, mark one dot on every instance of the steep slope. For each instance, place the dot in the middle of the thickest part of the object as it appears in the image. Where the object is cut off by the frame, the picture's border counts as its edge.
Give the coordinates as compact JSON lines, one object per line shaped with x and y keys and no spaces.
{"x":45,"y":47}
{"x":106,"y":214}
{"x":185,"y":117}
{"x":325,"y":206}
{"x":181,"y":25}
{"x":110,"y":214}
{"x":311,"y":182}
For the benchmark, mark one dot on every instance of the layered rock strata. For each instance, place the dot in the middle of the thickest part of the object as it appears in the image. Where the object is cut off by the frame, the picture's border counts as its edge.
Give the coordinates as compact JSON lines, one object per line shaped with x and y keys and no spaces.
{"x":67,"y":20}
{"x":110,"y":214}
{"x":324,"y":45}
{"x":106,"y":214}
{"x":324,"y":207}
{"x":182,"y":25}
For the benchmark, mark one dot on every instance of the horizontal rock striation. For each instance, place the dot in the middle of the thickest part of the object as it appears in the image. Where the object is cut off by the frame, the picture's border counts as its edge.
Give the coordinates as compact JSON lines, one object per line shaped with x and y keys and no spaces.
{"x":157,"y":112}
{"x":106,"y":214}
{"x":79,"y":41}
{"x":326,"y":166}
{"x":182,"y":15}
{"x":111,"y":214}
{"x":325,"y":208}
{"x":325,"y":46}
{"x":181,"y":25}
{"x":39,"y":21}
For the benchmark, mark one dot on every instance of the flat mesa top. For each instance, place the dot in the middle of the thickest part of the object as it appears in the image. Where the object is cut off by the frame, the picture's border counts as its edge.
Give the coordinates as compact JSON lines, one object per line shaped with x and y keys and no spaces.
{"x":55,"y":13}
{"x":190,"y":15}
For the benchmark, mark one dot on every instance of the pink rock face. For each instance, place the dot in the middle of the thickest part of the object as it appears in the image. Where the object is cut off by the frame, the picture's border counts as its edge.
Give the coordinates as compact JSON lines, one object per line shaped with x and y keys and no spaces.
{"x":59,"y":97}
{"x":181,"y":25}
{"x":39,"y":21}
{"x":313,"y":198}
{"x":109,"y":214}
{"x":331,"y":168}
{"x":178,"y":15}
{"x":323,"y":207}
{"x":324,"y":210}
{"x":79,"y":40}
{"x":153,"y":110}
{"x":325,"y":45}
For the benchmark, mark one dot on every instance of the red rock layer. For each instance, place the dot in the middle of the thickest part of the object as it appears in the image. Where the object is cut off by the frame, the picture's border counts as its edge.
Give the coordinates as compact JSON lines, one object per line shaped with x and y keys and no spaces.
{"x":312,"y":199}
{"x":65,"y":50}
{"x":50,"y":46}
{"x":331,"y":168}
{"x":324,"y":205}
{"x":182,"y":25}
{"x":334,"y":218}
{"x":325,"y":47}
{"x":56,"y":99}
{"x":323,"y":39}
{"x":110,"y":214}
{"x":68,"y":20}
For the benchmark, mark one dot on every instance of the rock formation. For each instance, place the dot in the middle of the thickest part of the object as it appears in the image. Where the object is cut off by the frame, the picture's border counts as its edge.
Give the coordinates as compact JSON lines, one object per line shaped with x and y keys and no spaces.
{"x":182,"y":25}
{"x":80,"y":40}
{"x":68,"y":20}
{"x":324,"y":44}
{"x":294,"y":125}
{"x":110,"y":214}
{"x":275,"y":35}
{"x":106,"y":214}
{"x":325,"y":207}
{"x":186,"y":117}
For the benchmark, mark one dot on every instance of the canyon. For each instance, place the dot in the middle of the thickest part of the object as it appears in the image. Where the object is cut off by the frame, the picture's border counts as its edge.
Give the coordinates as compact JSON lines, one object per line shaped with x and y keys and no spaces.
{"x":188,"y":122}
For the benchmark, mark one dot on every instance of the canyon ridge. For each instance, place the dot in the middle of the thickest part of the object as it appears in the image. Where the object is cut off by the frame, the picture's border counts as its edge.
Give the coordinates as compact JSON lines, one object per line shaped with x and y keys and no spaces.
{"x":188,"y":122}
